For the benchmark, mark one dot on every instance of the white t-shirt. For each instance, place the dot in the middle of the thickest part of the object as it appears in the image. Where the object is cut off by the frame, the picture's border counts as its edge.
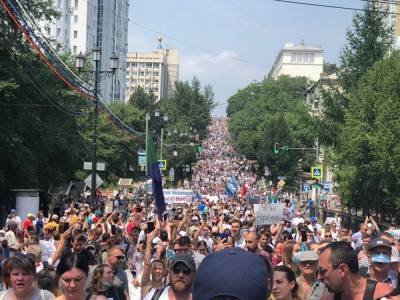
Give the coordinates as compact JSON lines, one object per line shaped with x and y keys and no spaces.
{"x":164,"y":295}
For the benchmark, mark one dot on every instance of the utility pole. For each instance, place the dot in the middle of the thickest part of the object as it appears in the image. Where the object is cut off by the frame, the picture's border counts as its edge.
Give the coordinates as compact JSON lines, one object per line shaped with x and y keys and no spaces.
{"x":94,"y":138}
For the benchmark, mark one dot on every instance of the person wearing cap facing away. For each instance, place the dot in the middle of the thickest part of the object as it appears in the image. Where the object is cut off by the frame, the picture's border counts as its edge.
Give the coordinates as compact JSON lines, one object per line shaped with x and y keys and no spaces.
{"x":310,"y":287}
{"x":338,"y":269}
{"x":28,"y":224}
{"x":182,"y":270}
{"x":379,"y":254}
{"x":231,"y":274}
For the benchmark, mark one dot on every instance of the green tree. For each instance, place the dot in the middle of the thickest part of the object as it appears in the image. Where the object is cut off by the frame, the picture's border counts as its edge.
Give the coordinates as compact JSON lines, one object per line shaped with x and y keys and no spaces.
{"x":368,"y":41}
{"x":369,"y":152}
{"x":272,"y":111}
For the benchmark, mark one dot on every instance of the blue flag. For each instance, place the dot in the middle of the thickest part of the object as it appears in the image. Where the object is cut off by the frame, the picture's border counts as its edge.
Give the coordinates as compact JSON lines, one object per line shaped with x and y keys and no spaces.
{"x":153,"y":171}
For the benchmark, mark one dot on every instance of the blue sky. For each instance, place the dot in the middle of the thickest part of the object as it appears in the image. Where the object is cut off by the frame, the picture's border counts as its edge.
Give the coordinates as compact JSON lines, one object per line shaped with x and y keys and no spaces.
{"x":231,"y":43}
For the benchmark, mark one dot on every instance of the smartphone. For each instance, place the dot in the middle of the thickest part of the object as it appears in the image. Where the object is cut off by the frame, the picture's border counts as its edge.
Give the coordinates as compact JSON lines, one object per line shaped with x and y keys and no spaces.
{"x":303,"y":236}
{"x":223,"y":236}
{"x":113,"y":229}
{"x":63,"y":227}
{"x":150,"y":227}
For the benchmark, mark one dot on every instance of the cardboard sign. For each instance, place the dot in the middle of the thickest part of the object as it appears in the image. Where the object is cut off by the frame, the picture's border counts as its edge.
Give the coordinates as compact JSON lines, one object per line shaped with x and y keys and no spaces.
{"x":178,"y":196}
{"x":268,"y":213}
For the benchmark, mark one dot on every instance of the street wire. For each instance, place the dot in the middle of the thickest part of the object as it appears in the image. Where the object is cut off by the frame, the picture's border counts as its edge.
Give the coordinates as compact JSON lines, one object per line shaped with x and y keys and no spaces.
{"x":335,"y":6}
{"x":195,"y":46}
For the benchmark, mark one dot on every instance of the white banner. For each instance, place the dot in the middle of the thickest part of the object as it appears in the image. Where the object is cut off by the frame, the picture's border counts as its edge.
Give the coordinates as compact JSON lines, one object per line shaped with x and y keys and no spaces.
{"x":178,"y":196}
{"x":268,"y":213}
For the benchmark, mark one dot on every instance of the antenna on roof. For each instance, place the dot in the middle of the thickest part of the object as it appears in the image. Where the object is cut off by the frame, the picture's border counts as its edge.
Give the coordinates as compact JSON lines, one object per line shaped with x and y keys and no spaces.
{"x":159,"y":42}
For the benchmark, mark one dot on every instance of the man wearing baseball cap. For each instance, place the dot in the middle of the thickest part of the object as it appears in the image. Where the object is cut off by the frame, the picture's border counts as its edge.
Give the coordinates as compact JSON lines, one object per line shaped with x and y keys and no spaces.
{"x":310,"y":286}
{"x":181,"y":273}
{"x":379,"y":253}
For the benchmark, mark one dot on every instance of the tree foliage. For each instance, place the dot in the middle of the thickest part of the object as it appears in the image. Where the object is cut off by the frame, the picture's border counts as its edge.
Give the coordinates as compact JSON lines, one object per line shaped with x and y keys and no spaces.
{"x":272,"y":111}
{"x":369,"y":150}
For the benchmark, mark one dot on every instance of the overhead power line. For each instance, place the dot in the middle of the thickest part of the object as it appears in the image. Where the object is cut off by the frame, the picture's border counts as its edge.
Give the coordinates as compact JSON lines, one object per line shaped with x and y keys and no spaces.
{"x":196,"y":46}
{"x":334,"y":6}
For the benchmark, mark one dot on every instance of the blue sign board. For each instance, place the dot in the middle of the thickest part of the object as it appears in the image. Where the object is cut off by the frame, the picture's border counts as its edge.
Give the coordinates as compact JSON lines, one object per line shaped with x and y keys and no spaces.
{"x":327,"y":186}
{"x":306,"y":187}
{"x":282,"y":177}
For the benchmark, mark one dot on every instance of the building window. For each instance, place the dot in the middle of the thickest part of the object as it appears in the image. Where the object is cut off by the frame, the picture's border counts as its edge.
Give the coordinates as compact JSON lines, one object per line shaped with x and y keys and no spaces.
{"x":141,"y":65}
{"x":148,"y":72}
{"x":134,"y":65}
{"x":141,"y":73}
{"x":148,"y":65}
{"x":316,"y":105}
{"x":155,"y":73}
{"x":148,"y":81}
{"x":155,"y":80}
{"x":75,"y":34}
{"x":48,"y":30}
{"x":155,"y":65}
{"x":75,"y":49}
{"x":76,"y":4}
{"x":58,"y":31}
{"x":76,"y":18}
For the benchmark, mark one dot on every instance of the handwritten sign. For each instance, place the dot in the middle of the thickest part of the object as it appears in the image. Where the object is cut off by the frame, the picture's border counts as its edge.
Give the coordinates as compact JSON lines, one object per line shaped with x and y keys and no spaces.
{"x":178,"y":196}
{"x":268,"y":213}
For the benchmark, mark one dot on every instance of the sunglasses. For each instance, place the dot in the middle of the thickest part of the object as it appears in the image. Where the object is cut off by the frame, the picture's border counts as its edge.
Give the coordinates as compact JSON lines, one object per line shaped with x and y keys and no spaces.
{"x":308,"y":262}
{"x":120,"y":257}
{"x":181,"y":268}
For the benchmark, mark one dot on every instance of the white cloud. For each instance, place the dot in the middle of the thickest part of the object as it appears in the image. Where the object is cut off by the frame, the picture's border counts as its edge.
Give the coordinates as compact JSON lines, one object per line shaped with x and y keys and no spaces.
{"x":224,"y":71}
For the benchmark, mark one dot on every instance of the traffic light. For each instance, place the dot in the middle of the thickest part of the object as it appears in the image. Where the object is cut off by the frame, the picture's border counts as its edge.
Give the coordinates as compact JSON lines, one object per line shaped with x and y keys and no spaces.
{"x":276,"y":148}
{"x":286,"y":148}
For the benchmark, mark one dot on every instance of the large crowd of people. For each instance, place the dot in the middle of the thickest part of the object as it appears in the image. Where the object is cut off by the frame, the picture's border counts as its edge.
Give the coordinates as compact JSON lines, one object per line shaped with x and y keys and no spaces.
{"x":211,"y":248}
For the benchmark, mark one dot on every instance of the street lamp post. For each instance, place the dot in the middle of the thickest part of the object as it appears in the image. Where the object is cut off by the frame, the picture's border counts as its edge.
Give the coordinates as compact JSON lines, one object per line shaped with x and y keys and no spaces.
{"x":80,"y":60}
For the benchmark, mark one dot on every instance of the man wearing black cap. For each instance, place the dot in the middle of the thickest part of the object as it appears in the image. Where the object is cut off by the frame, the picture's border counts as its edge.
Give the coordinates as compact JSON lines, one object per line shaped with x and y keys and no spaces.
{"x":231,"y":274}
{"x":181,"y":274}
{"x":379,"y":254}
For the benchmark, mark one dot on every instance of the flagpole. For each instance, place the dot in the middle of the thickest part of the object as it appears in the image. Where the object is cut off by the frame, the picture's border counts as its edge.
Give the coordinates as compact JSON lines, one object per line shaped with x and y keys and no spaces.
{"x":146,"y":199}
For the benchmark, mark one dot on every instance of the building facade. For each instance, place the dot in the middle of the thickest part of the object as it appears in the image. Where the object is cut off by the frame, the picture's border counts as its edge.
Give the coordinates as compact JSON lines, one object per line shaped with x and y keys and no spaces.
{"x":85,"y":23}
{"x":393,"y":20}
{"x":156,"y":71}
{"x":298,"y":60}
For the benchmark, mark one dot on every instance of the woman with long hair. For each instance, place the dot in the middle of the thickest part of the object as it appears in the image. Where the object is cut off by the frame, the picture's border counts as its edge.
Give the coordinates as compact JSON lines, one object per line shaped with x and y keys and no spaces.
{"x":103,"y":284}
{"x":72,"y":273}
{"x":285,"y":286}
{"x":290,"y":249}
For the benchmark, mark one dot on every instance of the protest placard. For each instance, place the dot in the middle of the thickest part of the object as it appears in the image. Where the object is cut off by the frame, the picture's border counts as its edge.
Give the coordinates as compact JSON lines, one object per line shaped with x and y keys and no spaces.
{"x":271,"y":213}
{"x":173,"y":196}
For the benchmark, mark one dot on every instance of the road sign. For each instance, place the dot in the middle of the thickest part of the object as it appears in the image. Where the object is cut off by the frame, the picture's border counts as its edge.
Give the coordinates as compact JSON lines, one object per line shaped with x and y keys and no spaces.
{"x":327,"y":186}
{"x":316,"y":172}
{"x":88,"y":181}
{"x":282,"y":177}
{"x":281,"y":183}
{"x":141,"y":158}
{"x":162,"y":163}
{"x":171,"y":175}
{"x":100,"y":166}
{"x":306,"y":187}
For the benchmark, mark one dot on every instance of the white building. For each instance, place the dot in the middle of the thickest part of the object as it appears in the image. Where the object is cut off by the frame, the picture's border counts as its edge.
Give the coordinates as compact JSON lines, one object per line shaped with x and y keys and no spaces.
{"x":84,"y":22}
{"x":298,"y":60}
{"x":393,"y":20}
{"x":157,"y":71}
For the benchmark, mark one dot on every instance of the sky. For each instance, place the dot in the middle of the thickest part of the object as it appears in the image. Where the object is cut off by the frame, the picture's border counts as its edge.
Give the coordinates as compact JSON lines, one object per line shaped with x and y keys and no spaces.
{"x":230,"y":43}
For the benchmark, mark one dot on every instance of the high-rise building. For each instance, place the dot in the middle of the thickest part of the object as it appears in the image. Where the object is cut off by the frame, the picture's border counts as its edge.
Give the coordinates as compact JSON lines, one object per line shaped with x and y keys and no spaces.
{"x":298,"y":60}
{"x":157,"y":71}
{"x":393,"y":20}
{"x":85,"y":23}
